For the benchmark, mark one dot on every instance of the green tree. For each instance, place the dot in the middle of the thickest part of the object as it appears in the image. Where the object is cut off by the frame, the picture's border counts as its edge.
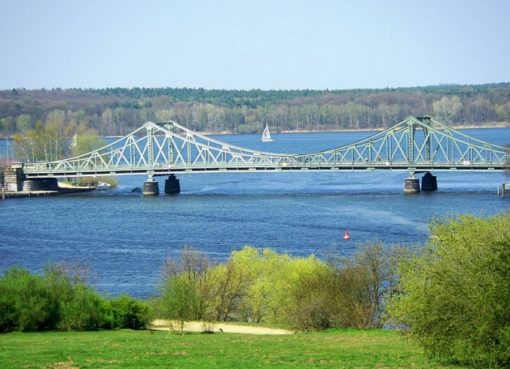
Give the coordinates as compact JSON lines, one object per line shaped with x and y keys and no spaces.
{"x":23,"y":122}
{"x":84,"y":141}
{"x":43,"y":143}
{"x":447,"y":108}
{"x":271,"y":280}
{"x":455,"y":293}
{"x":186,"y":291}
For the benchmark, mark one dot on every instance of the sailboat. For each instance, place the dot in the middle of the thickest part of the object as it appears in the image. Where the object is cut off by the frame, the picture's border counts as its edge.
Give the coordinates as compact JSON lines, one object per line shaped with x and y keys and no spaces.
{"x":74,"y":142}
{"x":266,"y":136}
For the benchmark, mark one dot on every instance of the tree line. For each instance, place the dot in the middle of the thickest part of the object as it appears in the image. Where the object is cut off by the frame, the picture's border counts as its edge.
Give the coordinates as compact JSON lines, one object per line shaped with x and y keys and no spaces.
{"x":262,"y":286}
{"x":117,"y":111}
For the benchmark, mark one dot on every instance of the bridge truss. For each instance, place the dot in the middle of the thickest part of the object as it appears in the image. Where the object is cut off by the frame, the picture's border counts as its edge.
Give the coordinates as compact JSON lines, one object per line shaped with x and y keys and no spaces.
{"x":415,"y":144}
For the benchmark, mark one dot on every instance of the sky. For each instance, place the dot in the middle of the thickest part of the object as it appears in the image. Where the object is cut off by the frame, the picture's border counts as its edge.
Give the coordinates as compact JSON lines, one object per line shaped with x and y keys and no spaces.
{"x":253,"y":44}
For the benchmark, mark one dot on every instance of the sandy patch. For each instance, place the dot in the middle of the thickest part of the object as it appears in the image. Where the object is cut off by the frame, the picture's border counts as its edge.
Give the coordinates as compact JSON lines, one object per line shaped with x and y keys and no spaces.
{"x":170,"y":325}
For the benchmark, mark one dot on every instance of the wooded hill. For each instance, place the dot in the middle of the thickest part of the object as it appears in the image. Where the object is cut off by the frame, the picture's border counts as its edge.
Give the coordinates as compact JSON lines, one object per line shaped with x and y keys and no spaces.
{"x":116,"y":111}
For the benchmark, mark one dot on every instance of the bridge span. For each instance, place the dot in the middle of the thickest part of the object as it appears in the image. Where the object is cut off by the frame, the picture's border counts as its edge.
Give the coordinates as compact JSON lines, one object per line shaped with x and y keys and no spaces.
{"x":415,"y":145}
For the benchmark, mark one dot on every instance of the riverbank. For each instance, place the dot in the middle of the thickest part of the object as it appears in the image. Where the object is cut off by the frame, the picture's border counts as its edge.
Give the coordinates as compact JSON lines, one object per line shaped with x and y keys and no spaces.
{"x":375,"y":129}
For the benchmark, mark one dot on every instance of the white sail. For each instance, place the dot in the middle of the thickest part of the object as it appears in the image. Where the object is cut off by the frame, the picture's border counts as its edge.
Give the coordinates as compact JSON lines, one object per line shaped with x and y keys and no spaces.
{"x":74,"y":142}
{"x":266,"y":136}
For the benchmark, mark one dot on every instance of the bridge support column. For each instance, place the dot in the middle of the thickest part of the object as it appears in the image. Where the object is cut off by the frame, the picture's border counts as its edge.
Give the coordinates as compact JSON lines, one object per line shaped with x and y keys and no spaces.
{"x":40,"y":184}
{"x":412,"y":184}
{"x":14,"y":177}
{"x":428,"y":182}
{"x":150,"y":187}
{"x":172,"y":185}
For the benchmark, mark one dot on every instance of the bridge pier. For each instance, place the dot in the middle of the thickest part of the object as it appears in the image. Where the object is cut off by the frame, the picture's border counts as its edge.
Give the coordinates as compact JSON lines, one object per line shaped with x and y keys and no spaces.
{"x":172,"y":185}
{"x":14,"y":176}
{"x":150,"y":187}
{"x":40,"y":184}
{"x":411,"y":184}
{"x":429,"y":182}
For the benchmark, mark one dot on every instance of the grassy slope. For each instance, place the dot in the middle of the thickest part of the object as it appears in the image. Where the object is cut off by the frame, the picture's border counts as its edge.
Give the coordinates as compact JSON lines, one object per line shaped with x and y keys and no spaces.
{"x":139,"y":349}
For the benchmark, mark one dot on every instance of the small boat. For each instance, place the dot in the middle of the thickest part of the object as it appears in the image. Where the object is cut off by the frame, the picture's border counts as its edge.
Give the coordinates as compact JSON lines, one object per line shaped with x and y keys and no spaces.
{"x":266,"y":136}
{"x":347,"y":236}
{"x":103,"y":186}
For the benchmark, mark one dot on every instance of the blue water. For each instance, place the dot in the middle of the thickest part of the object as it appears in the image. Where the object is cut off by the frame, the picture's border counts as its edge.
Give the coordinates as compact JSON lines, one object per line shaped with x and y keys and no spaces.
{"x":125,"y":237}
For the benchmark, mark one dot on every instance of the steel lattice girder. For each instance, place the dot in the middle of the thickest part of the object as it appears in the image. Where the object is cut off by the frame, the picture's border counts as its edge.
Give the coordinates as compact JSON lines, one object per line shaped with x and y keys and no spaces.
{"x":415,"y":143}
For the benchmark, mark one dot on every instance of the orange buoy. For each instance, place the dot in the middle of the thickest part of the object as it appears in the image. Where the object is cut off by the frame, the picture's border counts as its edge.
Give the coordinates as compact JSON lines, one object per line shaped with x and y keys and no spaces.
{"x":347,"y":236}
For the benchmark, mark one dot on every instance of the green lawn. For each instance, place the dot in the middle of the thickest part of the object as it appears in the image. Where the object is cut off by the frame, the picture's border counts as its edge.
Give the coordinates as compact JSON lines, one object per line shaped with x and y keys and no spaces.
{"x":141,"y":349}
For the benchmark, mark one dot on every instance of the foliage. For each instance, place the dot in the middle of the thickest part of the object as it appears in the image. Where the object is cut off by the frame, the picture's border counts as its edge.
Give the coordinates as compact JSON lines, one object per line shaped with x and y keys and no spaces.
{"x":454,"y":295}
{"x":26,"y":303}
{"x":130,"y":349}
{"x":85,"y":310}
{"x":50,"y":141}
{"x":352,"y":292}
{"x":128,"y":312}
{"x":60,"y":299}
{"x":186,"y":290}
{"x":117,"y":111}
{"x":44,"y":142}
{"x":260,"y":285}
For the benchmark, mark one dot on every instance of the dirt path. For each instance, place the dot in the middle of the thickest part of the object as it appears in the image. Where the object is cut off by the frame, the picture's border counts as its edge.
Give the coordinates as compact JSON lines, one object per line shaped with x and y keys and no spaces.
{"x":169,"y":325}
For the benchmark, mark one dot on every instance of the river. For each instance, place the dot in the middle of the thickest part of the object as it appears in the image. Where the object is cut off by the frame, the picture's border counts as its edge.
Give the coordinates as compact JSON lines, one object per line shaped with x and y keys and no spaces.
{"x":124,"y":237}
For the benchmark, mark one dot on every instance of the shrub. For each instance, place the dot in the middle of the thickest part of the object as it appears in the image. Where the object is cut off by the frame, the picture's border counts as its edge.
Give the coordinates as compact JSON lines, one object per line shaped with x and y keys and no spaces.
{"x":26,"y":303}
{"x":60,"y":299}
{"x":312,"y":307}
{"x":127,"y":312}
{"x":85,"y":310}
{"x":186,"y":291}
{"x":260,"y":285}
{"x":455,"y":294}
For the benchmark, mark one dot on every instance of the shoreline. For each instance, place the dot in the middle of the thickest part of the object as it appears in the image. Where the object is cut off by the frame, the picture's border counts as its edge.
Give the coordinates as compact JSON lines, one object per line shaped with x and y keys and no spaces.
{"x":463,"y":126}
{"x":226,"y":132}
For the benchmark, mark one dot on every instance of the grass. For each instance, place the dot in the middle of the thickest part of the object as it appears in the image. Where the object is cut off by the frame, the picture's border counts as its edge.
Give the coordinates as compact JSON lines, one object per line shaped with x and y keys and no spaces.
{"x":337,"y":349}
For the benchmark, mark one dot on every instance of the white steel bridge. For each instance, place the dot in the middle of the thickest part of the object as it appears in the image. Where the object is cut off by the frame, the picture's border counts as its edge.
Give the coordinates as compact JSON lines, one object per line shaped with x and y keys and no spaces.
{"x":416,"y":144}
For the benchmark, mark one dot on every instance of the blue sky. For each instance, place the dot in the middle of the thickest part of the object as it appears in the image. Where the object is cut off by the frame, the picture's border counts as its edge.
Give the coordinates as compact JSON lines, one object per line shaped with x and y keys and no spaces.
{"x":287,"y":44}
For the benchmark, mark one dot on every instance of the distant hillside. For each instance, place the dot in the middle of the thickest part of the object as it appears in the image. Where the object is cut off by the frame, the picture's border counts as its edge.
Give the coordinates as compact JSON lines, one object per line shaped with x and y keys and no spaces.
{"x":115,"y":111}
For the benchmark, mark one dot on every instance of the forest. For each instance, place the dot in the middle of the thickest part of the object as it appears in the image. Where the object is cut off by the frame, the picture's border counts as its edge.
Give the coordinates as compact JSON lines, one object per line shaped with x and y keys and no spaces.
{"x":117,"y":111}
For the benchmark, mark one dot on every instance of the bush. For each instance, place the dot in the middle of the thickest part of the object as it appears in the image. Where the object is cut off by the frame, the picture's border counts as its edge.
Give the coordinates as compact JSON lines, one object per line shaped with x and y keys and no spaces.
{"x":86,"y":310}
{"x":455,"y":295}
{"x":60,"y":299}
{"x":312,"y":307}
{"x":26,"y":303}
{"x":129,"y":313}
{"x":262,"y":286}
{"x":186,"y":291}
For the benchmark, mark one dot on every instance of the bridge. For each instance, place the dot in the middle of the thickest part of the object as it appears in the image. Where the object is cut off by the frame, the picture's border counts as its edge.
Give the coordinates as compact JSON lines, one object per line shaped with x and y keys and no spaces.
{"x":417,"y":144}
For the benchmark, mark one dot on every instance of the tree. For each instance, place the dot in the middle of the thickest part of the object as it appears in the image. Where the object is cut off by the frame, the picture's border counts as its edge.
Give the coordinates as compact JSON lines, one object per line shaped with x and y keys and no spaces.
{"x":186,"y":291}
{"x":23,"y":122}
{"x":454,"y":295}
{"x":43,"y":143}
{"x":447,"y":108}
{"x":84,"y":141}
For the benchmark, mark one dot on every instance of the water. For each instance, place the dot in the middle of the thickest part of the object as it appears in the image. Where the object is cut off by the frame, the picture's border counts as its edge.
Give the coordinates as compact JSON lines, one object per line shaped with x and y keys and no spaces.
{"x":125,"y":237}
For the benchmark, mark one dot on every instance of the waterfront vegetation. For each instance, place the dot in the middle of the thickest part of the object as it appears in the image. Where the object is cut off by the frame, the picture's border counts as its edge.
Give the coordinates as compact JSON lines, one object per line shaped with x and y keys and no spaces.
{"x":117,"y":111}
{"x":449,"y":298}
{"x":59,"y":299}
